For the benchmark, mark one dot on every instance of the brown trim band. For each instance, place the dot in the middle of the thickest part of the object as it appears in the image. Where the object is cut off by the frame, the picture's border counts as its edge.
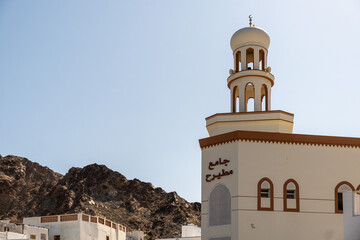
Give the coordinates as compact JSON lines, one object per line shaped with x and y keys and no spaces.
{"x":272,"y":137}
{"x":249,"y":75}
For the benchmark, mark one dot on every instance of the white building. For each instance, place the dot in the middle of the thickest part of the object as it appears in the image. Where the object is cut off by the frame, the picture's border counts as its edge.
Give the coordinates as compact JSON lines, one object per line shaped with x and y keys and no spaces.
{"x":11,"y":230}
{"x":79,"y":227}
{"x":261,"y":181}
{"x":188,"y":232}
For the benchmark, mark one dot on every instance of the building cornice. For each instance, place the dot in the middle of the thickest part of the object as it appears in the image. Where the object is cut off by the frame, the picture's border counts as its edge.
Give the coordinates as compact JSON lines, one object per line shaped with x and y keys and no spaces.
{"x":272,"y":137}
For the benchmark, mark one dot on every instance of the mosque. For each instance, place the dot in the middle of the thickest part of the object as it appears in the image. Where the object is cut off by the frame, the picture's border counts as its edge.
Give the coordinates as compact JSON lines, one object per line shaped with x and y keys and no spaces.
{"x":259,"y":180}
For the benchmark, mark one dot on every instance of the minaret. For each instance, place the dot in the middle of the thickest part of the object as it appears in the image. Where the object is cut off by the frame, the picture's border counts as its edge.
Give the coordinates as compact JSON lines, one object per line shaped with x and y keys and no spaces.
{"x":250,"y":80}
{"x":228,"y":192}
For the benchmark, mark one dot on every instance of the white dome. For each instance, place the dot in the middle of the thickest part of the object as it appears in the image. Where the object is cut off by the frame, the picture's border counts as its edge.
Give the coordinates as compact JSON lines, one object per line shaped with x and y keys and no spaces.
{"x":250,"y":35}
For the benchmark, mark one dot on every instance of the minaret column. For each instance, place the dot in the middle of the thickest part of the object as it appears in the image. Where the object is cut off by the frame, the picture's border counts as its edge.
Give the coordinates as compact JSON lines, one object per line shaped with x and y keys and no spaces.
{"x":232,"y":102}
{"x":269,"y":97}
{"x":256,"y":58}
{"x":265,"y":59}
{"x":242,"y":97}
{"x":257,"y":97}
{"x":243,"y":59}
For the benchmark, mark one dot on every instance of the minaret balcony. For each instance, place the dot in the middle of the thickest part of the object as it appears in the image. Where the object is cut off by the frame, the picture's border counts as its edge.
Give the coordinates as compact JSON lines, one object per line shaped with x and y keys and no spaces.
{"x":261,"y":121}
{"x":251,"y":73}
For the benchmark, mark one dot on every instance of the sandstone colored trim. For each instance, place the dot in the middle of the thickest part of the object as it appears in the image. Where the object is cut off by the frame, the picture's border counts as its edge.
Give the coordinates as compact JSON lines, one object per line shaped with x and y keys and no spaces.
{"x":279,"y":138}
{"x":249,"y":113}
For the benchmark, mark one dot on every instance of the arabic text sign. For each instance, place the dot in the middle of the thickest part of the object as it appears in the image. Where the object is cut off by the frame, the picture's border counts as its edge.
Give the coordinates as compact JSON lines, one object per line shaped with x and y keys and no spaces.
{"x":212,"y":165}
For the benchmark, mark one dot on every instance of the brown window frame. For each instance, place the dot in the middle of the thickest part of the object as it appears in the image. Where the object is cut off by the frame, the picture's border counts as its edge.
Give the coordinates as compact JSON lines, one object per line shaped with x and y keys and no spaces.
{"x":337,"y":210}
{"x":271,"y":208}
{"x":297,"y":196}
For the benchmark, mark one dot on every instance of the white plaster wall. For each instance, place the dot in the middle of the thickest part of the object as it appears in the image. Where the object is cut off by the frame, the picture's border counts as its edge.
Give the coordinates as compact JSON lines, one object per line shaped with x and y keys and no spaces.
{"x":78,"y":230}
{"x":12,"y":235}
{"x":190,"y":231}
{"x":122,"y":235}
{"x":89,"y":230}
{"x":104,"y":231}
{"x":226,"y":151}
{"x":351,"y":221}
{"x":317,"y":169}
{"x":68,"y":230}
{"x":37,"y":231}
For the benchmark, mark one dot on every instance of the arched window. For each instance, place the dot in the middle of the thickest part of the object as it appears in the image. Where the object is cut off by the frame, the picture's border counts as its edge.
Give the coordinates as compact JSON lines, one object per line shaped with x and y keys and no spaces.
{"x":261,"y":60}
{"x":220,"y":206}
{"x":291,"y":196}
{"x":249,"y":94}
{"x":264,"y":98}
{"x":250,"y":58}
{"x":238,"y":61}
{"x":265,"y":195}
{"x":235,"y":97}
{"x":344,"y":186}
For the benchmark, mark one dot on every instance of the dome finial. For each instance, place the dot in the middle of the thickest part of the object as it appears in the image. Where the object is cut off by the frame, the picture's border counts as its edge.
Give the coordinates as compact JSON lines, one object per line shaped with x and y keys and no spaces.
{"x":250,"y":19}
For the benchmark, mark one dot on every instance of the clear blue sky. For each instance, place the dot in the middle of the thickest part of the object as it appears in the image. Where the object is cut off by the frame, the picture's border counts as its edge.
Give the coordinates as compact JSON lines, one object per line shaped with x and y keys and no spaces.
{"x":128,"y":84}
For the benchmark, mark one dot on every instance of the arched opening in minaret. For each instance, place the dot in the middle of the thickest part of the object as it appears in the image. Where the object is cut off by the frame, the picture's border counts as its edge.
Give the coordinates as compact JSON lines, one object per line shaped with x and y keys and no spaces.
{"x":250,"y":58}
{"x":235,"y":97}
{"x":249,"y":97}
{"x":264,"y":98}
{"x":261,"y":60}
{"x":238,"y":61}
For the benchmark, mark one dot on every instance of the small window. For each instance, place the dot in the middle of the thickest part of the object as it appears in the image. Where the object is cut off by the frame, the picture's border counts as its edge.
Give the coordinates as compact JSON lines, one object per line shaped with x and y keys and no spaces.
{"x":265,"y":193}
{"x":57,"y":237}
{"x":291,"y":196}
{"x":43,"y":236}
{"x":6,"y":229}
{"x":265,"y":196}
{"x":339,"y":189}
{"x":107,"y":238}
{"x":32,"y":236}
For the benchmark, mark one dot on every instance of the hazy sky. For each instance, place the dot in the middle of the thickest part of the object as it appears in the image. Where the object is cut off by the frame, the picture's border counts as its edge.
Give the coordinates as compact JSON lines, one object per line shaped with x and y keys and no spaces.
{"x":128,"y":84}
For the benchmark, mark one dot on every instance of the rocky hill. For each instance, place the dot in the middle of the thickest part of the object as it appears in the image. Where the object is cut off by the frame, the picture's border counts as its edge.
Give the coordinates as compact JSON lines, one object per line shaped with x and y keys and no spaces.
{"x":29,"y":189}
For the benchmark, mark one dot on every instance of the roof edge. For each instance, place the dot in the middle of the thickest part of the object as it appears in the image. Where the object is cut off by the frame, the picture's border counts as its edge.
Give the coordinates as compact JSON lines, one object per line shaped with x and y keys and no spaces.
{"x":279,"y":138}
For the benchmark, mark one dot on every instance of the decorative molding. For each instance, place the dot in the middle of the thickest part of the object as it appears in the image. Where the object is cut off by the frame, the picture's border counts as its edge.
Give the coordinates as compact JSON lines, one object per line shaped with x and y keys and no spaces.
{"x":271,"y":137}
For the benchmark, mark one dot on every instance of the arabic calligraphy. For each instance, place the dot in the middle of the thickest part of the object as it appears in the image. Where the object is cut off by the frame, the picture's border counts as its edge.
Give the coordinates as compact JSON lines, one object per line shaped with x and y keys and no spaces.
{"x":211,"y":177}
{"x":219,"y":162}
{"x":212,"y":165}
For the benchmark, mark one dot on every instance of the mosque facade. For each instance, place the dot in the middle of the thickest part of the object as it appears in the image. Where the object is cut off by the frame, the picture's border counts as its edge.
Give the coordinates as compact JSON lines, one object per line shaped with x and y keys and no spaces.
{"x":259,"y":180}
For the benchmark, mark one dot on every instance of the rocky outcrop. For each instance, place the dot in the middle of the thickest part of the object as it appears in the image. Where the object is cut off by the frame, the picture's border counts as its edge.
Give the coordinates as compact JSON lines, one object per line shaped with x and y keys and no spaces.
{"x":29,"y":189}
